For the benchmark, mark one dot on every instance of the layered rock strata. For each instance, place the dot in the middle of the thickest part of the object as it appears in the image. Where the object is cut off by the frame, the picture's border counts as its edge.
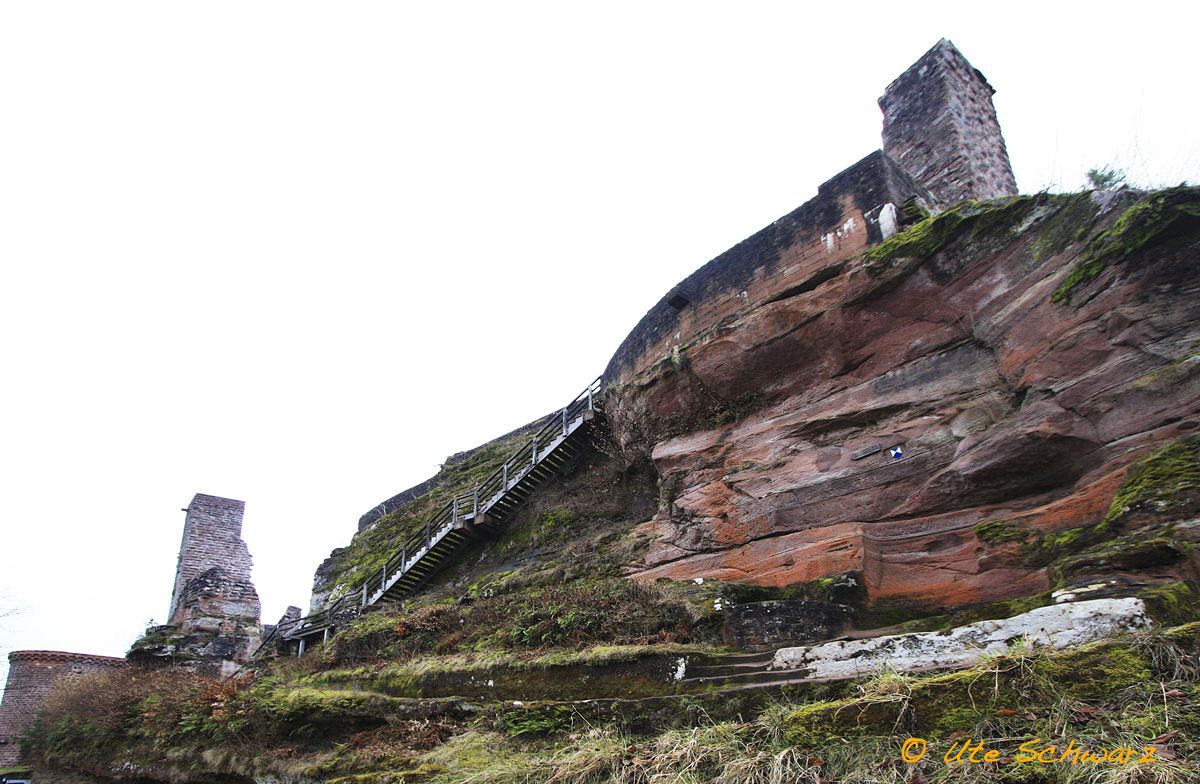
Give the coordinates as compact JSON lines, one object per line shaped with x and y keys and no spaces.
{"x":967,"y":372}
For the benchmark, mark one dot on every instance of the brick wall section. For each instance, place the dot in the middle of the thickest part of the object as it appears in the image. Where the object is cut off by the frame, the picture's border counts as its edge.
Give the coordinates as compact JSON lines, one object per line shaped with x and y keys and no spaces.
{"x":856,"y":208}
{"x":31,"y":676}
{"x":939,"y":124}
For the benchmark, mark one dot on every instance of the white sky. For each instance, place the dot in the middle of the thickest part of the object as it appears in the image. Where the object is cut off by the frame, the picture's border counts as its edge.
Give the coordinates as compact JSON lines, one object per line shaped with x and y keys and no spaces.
{"x":297,"y":253}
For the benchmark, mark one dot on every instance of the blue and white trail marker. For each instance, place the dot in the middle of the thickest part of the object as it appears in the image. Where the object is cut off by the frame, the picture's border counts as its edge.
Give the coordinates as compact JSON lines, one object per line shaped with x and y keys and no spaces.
{"x":896,"y":452}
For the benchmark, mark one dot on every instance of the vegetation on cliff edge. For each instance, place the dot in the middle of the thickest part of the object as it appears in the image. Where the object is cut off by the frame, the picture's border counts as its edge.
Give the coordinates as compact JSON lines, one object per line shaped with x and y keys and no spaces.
{"x":1154,"y":218}
{"x":1140,"y":690}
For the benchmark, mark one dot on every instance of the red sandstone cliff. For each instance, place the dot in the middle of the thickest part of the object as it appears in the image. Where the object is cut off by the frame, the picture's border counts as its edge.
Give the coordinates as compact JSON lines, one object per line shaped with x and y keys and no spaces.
{"x":1009,"y":403}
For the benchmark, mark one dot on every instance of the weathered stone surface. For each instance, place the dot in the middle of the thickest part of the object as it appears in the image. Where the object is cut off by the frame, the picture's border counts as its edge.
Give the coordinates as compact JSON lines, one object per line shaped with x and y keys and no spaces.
{"x":1055,"y":626}
{"x":937,"y":110}
{"x":214,"y":621}
{"x":761,"y":625}
{"x":1005,"y":406}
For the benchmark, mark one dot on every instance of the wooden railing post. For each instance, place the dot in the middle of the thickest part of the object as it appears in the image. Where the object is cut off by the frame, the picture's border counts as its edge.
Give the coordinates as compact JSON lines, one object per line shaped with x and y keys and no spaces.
{"x":383,"y":578}
{"x":533,"y":451}
{"x":475,"y":504}
{"x":504,"y":489}
{"x":453,"y":517}
{"x":564,"y":422}
{"x":364,"y":596}
{"x":403,"y":557}
{"x":591,"y":407}
{"x":429,"y":526}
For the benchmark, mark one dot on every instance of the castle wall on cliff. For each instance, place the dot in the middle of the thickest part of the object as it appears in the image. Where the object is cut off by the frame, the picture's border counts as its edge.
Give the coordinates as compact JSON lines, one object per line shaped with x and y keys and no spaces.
{"x":942,"y":145}
{"x":31,"y":676}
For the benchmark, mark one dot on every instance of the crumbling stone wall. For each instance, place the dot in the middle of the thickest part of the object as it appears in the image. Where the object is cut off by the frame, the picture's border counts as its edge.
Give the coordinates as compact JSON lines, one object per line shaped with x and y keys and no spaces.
{"x":31,"y":676}
{"x":940,"y":125}
{"x":212,"y":537}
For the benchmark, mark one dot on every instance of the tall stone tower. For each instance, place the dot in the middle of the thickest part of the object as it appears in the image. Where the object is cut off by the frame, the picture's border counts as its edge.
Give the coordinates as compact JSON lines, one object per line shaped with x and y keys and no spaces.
{"x":212,"y":538}
{"x":215,"y":613}
{"x":940,"y":125}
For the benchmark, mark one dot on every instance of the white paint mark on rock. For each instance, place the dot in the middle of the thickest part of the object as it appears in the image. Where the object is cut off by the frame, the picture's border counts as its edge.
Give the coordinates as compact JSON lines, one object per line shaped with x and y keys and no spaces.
{"x":680,"y":669}
{"x":1055,"y":626}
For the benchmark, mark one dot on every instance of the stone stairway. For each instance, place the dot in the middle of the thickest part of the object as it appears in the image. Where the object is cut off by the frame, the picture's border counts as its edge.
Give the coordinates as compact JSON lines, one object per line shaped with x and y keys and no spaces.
{"x":482,"y":511}
{"x":738,"y":669}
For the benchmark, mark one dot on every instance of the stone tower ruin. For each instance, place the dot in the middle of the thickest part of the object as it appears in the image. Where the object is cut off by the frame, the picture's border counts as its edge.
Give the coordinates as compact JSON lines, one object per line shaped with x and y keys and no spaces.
{"x":214,"y":618}
{"x":940,"y":125}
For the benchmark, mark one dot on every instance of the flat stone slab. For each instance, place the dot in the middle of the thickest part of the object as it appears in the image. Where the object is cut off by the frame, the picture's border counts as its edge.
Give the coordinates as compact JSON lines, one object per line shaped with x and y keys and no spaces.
{"x":1055,"y":626}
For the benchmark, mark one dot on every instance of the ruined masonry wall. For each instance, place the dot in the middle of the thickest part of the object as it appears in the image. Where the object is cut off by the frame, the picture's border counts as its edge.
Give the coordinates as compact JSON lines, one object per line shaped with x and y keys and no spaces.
{"x":941,"y":145}
{"x":212,"y":537}
{"x":31,"y":676}
{"x":851,"y":211}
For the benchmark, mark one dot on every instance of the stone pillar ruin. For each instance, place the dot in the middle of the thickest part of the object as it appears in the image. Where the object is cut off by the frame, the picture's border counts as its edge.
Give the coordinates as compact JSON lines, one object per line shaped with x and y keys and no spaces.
{"x":940,"y":125}
{"x":214,"y":620}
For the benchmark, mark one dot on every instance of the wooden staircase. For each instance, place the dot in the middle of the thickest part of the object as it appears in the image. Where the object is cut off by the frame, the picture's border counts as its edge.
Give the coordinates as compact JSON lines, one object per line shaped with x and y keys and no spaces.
{"x":482,"y":512}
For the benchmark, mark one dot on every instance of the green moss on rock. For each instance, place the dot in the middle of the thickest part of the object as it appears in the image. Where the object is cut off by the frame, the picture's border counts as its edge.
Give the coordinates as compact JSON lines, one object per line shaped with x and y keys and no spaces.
{"x":995,"y":532}
{"x":1044,"y":549}
{"x":1136,"y":551}
{"x":1165,"y":482}
{"x":1094,"y":672}
{"x":925,"y":239}
{"x":1172,"y":604}
{"x":1153,"y":219}
{"x":1070,"y":223}
{"x":1005,"y":608}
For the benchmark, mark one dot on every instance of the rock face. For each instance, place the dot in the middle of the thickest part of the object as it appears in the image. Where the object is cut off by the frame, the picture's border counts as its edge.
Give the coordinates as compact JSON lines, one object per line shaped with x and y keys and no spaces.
{"x":929,"y":386}
{"x":1057,"y":626}
{"x":215,"y":612}
{"x":764,"y":625}
{"x":826,"y":397}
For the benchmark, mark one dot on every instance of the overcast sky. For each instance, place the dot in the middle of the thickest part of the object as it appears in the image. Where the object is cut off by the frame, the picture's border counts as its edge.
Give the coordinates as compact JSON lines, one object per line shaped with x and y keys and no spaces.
{"x":298,"y":253}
